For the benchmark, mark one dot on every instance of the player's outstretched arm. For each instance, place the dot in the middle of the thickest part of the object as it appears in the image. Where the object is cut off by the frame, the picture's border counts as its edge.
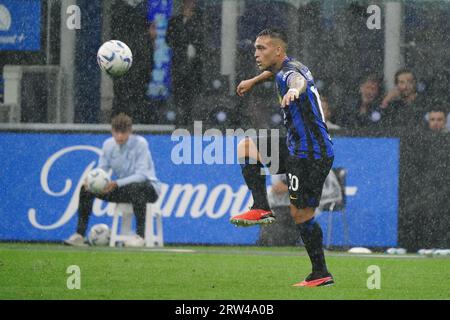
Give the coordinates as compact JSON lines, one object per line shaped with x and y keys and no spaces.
{"x":246,"y":85}
{"x":297,"y":85}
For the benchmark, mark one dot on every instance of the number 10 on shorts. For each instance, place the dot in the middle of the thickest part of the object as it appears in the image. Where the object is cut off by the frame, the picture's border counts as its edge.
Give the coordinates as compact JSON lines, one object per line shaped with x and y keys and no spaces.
{"x":293,"y":182}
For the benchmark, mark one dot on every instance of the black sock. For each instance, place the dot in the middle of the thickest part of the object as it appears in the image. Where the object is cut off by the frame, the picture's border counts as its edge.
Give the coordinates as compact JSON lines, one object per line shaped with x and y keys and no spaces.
{"x":312,"y":237}
{"x":256,"y":183}
{"x":140,"y":214}
{"x":84,"y":210}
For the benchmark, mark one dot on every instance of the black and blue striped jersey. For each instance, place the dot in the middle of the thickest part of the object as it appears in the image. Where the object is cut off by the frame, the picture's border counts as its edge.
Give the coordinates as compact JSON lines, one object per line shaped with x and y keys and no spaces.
{"x":307,"y":133}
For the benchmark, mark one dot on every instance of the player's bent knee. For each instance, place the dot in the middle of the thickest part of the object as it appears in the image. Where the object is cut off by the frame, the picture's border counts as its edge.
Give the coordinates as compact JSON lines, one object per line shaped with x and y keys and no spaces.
{"x":243,"y":147}
{"x":247,"y":149}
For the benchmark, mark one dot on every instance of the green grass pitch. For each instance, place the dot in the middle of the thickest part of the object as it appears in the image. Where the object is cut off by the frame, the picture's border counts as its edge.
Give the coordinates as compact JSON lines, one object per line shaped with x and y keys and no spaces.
{"x":39,"y":271}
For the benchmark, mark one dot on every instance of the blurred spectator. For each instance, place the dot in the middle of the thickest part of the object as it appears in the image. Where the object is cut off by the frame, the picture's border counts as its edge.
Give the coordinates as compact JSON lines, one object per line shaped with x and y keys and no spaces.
{"x":437,"y":119}
{"x":130,"y":25}
{"x":185,"y":37}
{"x":363,"y":111}
{"x":403,"y":106}
{"x":328,"y":114}
{"x":283,"y":232}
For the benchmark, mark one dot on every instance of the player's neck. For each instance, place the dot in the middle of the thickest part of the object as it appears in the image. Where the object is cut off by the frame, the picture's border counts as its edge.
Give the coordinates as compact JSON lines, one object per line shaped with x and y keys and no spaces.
{"x":278,"y":65}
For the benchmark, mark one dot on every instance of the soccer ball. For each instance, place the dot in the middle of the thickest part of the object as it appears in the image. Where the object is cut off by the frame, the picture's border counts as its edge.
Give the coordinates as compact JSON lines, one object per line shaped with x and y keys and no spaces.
{"x":97,"y":179}
{"x":115,"y":58}
{"x":99,"y":235}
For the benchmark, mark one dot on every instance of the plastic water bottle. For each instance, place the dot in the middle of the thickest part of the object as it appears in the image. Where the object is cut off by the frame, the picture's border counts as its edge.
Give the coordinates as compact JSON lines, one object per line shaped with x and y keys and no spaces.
{"x":425,"y":252}
{"x":396,"y":251}
{"x":391,"y":251}
{"x":441,"y":252}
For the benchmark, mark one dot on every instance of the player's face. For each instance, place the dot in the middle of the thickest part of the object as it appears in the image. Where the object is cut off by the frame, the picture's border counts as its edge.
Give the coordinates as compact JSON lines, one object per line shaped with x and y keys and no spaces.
{"x":436,"y":120}
{"x":406,"y":84}
{"x":121,"y":137}
{"x":265,"y":53}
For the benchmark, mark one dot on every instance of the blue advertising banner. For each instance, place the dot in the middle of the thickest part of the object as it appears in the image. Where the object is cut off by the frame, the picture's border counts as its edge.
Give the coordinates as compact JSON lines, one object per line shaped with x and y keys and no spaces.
{"x":372,"y":187}
{"x":42,"y":174}
{"x":20,"y":25}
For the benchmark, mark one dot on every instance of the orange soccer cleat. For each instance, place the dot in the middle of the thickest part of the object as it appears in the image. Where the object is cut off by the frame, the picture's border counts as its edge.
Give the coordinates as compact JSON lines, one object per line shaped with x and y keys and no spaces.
{"x":316,"y":280}
{"x":253,"y":217}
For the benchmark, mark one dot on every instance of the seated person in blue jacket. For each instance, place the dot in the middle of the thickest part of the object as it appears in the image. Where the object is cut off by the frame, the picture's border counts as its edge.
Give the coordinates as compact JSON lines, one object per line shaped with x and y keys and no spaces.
{"x":129,"y":157}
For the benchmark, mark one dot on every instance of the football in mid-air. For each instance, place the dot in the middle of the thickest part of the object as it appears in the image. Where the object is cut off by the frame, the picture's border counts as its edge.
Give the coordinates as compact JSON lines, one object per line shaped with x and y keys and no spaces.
{"x":99,"y":235}
{"x":96,"y":180}
{"x":115,"y":58}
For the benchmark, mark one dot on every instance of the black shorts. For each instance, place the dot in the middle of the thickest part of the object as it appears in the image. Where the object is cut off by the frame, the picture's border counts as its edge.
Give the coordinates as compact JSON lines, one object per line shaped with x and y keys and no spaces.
{"x":306,"y":177}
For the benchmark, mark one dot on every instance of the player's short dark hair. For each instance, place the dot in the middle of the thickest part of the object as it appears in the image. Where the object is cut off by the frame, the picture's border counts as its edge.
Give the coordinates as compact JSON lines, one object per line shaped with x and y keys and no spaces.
{"x":403,"y":71}
{"x":274,"y":33}
{"x":121,"y":123}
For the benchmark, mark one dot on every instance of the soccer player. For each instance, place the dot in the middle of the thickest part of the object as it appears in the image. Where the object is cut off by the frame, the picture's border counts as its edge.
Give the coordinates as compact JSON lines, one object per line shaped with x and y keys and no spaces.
{"x":129,"y":157}
{"x":308,"y":155}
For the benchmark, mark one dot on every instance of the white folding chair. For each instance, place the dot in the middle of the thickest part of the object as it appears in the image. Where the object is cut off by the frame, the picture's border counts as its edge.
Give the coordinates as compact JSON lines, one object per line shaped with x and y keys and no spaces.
{"x":153,"y":231}
{"x":153,"y":236}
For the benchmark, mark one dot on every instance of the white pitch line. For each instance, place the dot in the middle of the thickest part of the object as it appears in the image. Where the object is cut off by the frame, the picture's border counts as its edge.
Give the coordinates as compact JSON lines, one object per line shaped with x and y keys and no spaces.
{"x":172,"y":250}
{"x":387,"y":256}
